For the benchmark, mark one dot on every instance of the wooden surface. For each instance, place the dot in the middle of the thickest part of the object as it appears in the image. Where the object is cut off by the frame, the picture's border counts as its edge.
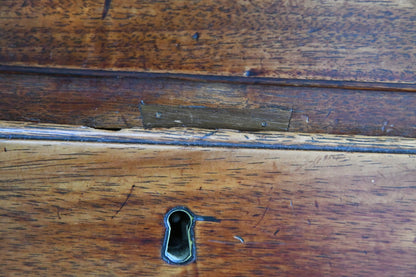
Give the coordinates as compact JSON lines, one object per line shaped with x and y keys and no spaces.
{"x":75,"y":201}
{"x":260,"y":119}
{"x":286,"y":213}
{"x":209,"y":138}
{"x":106,"y":100}
{"x":369,"y":41}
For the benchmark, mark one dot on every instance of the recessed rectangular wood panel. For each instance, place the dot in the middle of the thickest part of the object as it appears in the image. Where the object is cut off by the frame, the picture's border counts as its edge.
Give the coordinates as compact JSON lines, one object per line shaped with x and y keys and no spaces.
{"x":297,"y":212}
{"x":260,"y":119}
{"x":331,"y":40}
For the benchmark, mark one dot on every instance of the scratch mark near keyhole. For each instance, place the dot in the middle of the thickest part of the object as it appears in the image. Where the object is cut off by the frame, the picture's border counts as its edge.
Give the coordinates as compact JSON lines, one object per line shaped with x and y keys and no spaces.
{"x":106,"y":8}
{"x":264,"y":214}
{"x":125,"y":201}
{"x":58,"y":209}
{"x":239,"y":238}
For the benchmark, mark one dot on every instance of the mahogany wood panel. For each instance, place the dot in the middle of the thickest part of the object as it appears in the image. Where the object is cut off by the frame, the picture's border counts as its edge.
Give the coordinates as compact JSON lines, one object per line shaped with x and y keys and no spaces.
{"x":298,"y":213}
{"x":260,"y":119}
{"x":315,"y":39}
{"x":113,"y":103}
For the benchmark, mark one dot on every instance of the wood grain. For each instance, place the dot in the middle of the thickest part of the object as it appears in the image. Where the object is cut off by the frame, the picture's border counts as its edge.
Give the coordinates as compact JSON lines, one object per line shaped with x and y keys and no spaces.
{"x":371,"y":41}
{"x":112,"y":102}
{"x":209,"y":138}
{"x":298,"y":212}
{"x":260,"y":119}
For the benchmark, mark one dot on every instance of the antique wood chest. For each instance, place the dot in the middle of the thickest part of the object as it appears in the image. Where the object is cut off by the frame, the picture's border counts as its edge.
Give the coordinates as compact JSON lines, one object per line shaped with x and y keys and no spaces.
{"x":207,"y":138}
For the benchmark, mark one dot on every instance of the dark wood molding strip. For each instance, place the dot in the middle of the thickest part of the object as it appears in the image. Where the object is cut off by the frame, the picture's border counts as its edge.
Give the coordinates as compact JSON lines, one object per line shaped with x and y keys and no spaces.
{"x":113,"y":103}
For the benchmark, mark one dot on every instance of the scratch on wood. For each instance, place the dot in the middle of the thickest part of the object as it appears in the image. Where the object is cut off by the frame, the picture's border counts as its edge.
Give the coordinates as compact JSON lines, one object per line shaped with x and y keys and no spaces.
{"x":125,"y":201}
{"x":239,"y":238}
{"x":264,"y":214}
{"x":329,"y":112}
{"x":57,"y":212}
{"x":290,"y":118}
{"x":222,"y":242}
{"x":277,"y":231}
{"x":209,"y":134}
{"x":106,"y":8}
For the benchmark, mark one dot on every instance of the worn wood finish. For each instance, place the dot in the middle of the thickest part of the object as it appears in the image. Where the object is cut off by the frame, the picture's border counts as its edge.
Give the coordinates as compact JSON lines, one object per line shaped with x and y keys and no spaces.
{"x":209,"y":138}
{"x":113,"y":103}
{"x":260,"y":119}
{"x":286,"y":213}
{"x":331,"y":40}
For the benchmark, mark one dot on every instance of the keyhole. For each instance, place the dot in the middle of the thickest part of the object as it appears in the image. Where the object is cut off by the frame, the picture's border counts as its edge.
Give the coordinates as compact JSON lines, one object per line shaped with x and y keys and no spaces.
{"x":179,"y":245}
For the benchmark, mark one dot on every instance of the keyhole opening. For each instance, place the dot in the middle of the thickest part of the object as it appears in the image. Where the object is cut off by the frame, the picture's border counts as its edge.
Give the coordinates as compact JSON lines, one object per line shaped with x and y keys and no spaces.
{"x":179,"y":247}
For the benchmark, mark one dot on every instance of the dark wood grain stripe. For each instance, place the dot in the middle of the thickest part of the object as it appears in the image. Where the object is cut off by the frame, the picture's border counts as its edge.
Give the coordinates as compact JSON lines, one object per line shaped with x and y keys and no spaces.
{"x":249,"y":80}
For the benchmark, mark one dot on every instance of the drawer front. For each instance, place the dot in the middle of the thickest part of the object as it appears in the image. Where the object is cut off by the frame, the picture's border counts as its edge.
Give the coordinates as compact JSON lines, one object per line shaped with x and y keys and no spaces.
{"x":77,"y":208}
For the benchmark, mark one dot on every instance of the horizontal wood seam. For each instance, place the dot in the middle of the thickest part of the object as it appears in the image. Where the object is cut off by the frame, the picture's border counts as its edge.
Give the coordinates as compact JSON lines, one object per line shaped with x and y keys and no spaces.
{"x":379,"y":86}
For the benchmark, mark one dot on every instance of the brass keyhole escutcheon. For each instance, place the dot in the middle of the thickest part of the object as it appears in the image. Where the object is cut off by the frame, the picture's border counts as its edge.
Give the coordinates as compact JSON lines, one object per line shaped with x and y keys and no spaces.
{"x":179,"y":243}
